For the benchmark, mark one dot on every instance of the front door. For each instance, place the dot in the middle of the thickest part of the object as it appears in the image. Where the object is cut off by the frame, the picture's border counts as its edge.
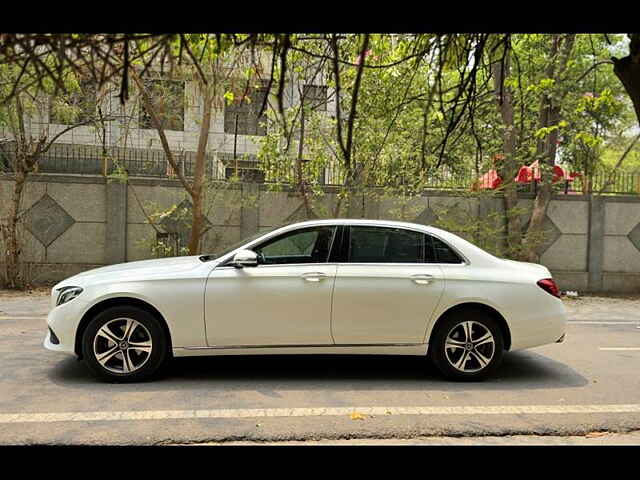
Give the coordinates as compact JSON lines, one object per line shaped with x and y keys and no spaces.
{"x":386,"y":291}
{"x":285,"y":300}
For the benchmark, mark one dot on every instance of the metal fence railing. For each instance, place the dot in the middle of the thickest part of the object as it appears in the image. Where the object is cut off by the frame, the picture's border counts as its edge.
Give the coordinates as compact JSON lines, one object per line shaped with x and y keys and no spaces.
{"x":93,"y":160}
{"x":615,"y":182}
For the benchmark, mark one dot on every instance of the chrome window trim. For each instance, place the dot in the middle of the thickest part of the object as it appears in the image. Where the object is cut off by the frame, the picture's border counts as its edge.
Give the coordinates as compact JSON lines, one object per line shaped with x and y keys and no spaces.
{"x":379,"y":264}
{"x":349,"y":263}
{"x":288,"y":228}
{"x":281,"y":265}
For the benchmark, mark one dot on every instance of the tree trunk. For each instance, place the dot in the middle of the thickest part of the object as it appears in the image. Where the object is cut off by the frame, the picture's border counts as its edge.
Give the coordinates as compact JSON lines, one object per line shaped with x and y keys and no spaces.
{"x":300,"y":173}
{"x":538,"y":215}
{"x":10,"y":229}
{"x":550,"y":115}
{"x":10,"y":232}
{"x":346,"y":144}
{"x":197,"y":212}
{"x":197,"y":223}
{"x":627,"y":69}
{"x":548,"y":148}
{"x":509,"y":167}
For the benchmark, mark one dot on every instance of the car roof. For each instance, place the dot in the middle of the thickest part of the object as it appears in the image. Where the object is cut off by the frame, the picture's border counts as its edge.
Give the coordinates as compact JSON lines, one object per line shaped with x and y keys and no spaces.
{"x":359,"y":221}
{"x":466,"y":249}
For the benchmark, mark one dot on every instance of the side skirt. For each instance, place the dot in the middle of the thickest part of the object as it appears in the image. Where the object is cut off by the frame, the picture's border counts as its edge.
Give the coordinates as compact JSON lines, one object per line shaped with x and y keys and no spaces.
{"x":395,"y":349}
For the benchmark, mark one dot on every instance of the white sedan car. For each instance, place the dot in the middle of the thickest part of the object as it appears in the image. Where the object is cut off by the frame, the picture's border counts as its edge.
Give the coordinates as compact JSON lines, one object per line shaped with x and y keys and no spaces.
{"x":316,"y":287}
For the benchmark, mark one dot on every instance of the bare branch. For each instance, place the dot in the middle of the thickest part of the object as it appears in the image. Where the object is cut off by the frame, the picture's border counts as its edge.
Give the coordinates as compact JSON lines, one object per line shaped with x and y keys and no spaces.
{"x":183,"y":41}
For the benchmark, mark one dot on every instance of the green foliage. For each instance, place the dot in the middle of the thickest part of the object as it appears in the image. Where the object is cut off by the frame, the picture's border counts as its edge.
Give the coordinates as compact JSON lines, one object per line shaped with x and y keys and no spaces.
{"x":488,"y":231}
{"x":405,"y":111}
{"x":118,"y":174}
{"x":612,"y":152}
{"x":222,"y":200}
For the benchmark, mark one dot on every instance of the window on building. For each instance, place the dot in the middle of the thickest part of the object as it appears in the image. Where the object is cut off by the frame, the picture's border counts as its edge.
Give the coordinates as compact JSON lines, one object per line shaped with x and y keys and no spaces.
{"x":315,"y":97}
{"x":168,"y":99}
{"x":241,"y":116}
{"x":75,"y":107}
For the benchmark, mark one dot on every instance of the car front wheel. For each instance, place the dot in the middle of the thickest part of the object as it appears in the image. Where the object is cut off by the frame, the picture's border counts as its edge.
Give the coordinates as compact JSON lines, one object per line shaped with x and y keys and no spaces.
{"x":467,"y":346}
{"x":124,"y":344}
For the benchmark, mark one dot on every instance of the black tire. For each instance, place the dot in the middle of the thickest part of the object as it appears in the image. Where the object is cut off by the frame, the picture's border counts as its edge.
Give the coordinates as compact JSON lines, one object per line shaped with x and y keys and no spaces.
{"x":149,"y":364}
{"x":444,"y":359}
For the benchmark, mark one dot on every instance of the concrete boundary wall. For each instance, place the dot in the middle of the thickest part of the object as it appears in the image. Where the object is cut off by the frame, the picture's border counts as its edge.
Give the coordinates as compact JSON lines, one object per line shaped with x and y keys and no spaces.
{"x":73,"y":223}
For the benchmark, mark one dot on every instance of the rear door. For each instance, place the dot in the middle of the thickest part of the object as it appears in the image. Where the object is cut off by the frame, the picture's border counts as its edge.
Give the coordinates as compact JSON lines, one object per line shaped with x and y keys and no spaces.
{"x":386,"y":287}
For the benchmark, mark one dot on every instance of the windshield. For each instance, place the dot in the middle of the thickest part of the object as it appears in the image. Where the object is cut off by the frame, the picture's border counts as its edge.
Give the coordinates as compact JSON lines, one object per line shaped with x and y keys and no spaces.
{"x":220,"y":253}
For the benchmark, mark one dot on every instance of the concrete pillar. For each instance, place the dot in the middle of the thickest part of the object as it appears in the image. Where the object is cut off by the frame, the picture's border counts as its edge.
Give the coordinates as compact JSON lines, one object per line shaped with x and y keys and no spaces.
{"x":116,"y":227}
{"x":595,"y":254}
{"x":249,"y":210}
{"x":371,"y":206}
{"x":356,"y":209}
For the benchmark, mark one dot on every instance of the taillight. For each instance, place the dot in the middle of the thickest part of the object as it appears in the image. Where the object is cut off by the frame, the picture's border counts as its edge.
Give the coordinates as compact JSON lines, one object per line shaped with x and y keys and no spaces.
{"x":549,"y":286}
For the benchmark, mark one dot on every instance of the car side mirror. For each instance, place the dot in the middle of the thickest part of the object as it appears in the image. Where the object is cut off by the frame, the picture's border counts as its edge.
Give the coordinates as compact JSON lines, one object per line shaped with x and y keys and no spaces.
{"x":245,"y":258}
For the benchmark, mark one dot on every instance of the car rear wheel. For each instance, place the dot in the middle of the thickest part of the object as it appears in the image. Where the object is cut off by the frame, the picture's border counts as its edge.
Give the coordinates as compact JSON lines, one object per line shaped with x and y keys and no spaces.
{"x":124,"y":344}
{"x":467,"y":346}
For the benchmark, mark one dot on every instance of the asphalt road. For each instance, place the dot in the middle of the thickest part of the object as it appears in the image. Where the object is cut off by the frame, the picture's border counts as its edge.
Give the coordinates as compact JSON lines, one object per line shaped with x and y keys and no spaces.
{"x":589,"y":383}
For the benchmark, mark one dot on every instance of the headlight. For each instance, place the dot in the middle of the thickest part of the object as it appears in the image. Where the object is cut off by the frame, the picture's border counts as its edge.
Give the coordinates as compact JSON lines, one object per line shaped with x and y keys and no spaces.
{"x":67,"y":294}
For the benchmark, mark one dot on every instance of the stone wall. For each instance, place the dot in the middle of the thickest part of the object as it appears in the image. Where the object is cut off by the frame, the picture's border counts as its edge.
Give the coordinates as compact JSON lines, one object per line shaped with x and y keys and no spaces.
{"x":73,"y":223}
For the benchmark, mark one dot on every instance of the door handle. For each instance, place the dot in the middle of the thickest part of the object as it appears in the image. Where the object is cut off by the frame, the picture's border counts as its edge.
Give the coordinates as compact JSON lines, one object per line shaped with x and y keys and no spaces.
{"x":422,"y":279}
{"x":314,"y":276}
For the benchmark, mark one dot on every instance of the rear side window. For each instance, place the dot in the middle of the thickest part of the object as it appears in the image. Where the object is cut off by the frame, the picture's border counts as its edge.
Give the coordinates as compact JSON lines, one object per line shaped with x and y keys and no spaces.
{"x":443,"y":253}
{"x":385,"y":245}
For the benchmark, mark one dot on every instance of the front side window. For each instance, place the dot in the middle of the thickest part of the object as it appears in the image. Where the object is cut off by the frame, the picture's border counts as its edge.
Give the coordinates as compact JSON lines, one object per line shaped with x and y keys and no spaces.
{"x":307,"y":245}
{"x":385,"y":245}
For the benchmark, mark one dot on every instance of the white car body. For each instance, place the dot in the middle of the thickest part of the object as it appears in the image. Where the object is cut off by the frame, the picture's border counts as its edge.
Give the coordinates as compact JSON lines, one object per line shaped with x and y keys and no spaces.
{"x":321,"y":308}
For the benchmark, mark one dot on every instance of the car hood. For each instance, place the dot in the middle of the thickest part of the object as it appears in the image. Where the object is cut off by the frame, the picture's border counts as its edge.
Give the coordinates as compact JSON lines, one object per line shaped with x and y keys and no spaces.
{"x":131,"y":271}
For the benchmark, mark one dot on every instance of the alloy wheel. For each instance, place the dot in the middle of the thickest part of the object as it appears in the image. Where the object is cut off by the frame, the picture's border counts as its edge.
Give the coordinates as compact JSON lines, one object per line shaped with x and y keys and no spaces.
{"x":122,"y":345}
{"x":469,"y":346}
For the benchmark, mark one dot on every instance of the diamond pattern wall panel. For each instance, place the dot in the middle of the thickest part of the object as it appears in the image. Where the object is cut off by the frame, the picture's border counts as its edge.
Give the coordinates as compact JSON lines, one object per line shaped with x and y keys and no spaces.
{"x":427,"y":217}
{"x":47,"y":220}
{"x":634,"y":236}
{"x":551,"y":233}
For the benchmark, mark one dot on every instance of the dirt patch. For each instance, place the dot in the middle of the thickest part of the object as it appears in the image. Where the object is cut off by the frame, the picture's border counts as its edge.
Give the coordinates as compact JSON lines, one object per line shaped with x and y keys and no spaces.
{"x":33,"y":292}
{"x":603,"y":298}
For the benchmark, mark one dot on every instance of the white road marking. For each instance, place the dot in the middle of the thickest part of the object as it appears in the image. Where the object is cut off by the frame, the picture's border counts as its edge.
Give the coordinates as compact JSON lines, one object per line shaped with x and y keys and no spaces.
{"x":311,"y":412}
{"x":603,"y":322}
{"x":620,"y":349}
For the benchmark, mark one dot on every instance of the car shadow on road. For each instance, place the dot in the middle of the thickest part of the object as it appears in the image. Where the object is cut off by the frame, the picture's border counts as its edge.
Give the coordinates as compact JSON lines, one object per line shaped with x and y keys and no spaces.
{"x":520,"y":370}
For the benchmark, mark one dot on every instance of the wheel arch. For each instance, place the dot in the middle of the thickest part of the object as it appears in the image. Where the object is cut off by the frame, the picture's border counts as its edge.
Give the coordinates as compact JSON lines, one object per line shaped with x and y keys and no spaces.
{"x":113,"y":302}
{"x":471,"y":306}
